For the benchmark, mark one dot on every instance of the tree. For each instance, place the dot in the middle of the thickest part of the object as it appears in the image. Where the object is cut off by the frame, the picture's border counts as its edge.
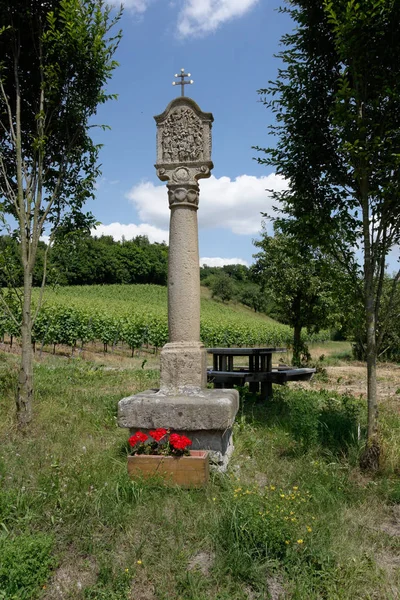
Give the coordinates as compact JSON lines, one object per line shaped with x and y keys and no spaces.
{"x":77,"y":258}
{"x":302,"y":282}
{"x":251,"y":294}
{"x":56,"y":57}
{"x":337,"y":104}
{"x":222,"y":287}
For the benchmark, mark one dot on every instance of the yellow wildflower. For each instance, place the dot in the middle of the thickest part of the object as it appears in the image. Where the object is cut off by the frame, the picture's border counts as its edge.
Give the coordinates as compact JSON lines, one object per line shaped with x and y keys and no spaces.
{"x":287,"y":541}
{"x":139,"y":562}
{"x":299,"y":541}
{"x":295,"y":487}
{"x":309,"y":529}
{"x":272,"y":487}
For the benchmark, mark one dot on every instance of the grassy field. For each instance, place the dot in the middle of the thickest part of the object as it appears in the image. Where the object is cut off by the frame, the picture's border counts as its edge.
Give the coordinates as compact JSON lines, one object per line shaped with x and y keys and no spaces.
{"x":294,"y":518}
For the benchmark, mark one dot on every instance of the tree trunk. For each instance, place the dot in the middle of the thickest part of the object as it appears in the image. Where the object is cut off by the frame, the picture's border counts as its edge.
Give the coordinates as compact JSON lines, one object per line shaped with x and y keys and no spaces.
{"x":370,"y":312}
{"x":370,"y":458}
{"x":25,"y":379}
{"x":296,"y":360}
{"x":371,"y":358}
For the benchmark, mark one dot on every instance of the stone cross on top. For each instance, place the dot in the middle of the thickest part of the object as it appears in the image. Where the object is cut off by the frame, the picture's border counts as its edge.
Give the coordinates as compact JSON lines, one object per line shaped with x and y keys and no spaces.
{"x":182,"y":82}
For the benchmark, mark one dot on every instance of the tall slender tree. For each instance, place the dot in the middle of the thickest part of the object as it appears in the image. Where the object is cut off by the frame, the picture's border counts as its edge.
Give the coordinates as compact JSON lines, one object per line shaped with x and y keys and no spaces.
{"x":337,"y":105}
{"x":55,"y":58}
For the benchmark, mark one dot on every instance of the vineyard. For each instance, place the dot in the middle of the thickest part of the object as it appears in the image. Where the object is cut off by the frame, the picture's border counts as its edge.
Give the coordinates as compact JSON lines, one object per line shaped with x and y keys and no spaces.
{"x":136,"y":315}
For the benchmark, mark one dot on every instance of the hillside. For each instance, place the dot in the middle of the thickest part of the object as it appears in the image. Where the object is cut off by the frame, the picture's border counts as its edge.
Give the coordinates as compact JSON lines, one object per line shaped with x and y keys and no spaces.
{"x":137,"y":315}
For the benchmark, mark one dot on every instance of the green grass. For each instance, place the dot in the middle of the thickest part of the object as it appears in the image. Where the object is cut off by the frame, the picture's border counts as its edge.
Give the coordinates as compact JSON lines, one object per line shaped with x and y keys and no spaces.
{"x":67,"y":503}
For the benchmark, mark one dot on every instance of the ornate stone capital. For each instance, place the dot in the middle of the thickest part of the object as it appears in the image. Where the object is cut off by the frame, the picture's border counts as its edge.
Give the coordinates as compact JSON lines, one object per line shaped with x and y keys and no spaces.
{"x":184,"y":174}
{"x":183,"y":195}
{"x":183,"y":150}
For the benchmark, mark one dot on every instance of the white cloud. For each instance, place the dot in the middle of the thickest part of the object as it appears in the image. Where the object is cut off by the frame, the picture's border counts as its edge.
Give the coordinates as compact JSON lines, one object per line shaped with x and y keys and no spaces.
{"x":220,"y":262}
{"x":117,"y":230}
{"x":45,"y":238}
{"x":231,"y":204}
{"x":139,"y":6}
{"x":199,"y":17}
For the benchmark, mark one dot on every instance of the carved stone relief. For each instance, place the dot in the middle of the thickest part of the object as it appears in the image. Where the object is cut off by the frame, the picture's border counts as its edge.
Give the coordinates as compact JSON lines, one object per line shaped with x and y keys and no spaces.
{"x":182,"y":137}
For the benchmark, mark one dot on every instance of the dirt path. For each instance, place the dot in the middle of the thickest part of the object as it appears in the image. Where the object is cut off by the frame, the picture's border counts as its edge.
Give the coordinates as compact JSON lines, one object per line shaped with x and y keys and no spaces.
{"x":352,"y":378}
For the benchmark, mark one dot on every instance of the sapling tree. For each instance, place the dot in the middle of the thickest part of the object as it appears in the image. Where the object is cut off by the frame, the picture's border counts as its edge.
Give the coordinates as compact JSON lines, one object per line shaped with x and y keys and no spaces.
{"x":337,"y":104}
{"x":56,"y":57}
{"x":303,"y":284}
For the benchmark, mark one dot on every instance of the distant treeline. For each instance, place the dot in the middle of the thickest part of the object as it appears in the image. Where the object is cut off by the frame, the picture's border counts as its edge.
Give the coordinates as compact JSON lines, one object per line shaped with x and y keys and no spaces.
{"x":238,"y":283}
{"x":81,"y":259}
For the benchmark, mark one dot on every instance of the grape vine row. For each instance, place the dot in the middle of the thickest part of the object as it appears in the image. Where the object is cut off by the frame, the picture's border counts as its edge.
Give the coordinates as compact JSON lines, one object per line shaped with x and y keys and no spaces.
{"x":137,"y":315}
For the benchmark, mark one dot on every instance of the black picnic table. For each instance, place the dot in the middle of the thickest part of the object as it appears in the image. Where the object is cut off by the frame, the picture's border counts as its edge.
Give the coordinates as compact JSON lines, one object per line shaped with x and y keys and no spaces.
{"x":258,"y":370}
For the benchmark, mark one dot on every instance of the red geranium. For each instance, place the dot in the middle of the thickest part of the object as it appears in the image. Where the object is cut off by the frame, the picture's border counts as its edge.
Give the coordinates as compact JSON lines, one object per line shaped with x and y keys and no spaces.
{"x":158,"y":434}
{"x":162,"y":442}
{"x":179,"y":442}
{"x":136,"y":438}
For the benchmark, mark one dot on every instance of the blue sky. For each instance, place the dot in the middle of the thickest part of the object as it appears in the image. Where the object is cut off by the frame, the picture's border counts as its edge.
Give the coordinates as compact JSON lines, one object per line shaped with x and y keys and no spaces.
{"x":228,"y":47}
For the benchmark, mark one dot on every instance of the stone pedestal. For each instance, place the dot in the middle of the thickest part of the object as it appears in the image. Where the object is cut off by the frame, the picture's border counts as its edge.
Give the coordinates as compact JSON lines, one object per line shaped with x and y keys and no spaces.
{"x":183,"y":367}
{"x":183,"y":403}
{"x":205,"y":416}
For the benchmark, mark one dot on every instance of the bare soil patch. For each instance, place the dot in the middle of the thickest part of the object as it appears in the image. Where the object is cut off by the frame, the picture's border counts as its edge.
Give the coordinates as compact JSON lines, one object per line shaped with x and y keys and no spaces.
{"x":71,"y":578}
{"x":352,"y":379}
{"x":202,"y":561}
{"x":392,"y":525}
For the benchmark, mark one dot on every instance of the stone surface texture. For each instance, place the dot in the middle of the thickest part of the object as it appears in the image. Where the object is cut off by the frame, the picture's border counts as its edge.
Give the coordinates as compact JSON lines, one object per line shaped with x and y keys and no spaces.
{"x":205,"y":416}
{"x":183,"y":366}
{"x":192,"y":410}
{"x":182,"y":403}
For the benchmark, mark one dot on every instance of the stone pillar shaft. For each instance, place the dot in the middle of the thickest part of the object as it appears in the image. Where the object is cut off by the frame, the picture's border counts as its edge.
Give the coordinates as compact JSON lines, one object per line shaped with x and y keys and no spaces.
{"x":183,"y":276}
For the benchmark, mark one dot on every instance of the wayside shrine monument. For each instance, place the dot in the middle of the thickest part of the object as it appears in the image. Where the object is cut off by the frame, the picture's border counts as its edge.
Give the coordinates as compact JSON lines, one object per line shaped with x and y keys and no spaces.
{"x":183,"y":403}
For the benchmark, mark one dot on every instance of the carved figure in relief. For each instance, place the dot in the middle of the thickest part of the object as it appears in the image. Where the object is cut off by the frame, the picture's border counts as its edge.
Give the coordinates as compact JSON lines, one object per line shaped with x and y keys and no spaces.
{"x":182,"y":136}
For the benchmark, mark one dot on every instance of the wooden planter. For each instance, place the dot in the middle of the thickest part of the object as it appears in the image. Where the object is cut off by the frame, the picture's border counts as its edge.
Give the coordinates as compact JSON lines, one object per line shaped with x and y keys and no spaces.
{"x":186,"y":471}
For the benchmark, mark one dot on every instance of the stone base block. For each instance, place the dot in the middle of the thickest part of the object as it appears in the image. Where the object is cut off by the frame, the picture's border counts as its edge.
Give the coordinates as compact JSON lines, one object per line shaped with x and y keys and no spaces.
{"x":205,"y":416}
{"x":183,"y":367}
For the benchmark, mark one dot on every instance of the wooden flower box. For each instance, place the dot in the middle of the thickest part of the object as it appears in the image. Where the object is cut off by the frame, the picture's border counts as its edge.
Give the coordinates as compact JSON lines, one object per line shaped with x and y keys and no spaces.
{"x":187,"y":471}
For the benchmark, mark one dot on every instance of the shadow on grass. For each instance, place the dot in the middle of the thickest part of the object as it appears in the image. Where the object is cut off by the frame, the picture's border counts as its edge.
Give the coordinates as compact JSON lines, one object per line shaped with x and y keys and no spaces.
{"x":333,"y":422}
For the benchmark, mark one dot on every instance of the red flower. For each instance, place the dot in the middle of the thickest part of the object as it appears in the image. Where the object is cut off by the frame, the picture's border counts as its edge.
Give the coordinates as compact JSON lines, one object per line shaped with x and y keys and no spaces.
{"x":158,"y":434}
{"x":179,"y":442}
{"x":137,"y":438}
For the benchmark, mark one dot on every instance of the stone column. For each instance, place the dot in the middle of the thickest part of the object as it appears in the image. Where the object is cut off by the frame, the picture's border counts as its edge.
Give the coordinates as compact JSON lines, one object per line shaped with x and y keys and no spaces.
{"x":183,"y":267}
{"x":183,"y":157}
{"x":183,"y":359}
{"x":183,"y":403}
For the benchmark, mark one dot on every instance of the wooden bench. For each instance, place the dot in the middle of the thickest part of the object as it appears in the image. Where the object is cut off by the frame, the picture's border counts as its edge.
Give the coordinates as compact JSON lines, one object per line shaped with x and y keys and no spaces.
{"x":227,"y":379}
